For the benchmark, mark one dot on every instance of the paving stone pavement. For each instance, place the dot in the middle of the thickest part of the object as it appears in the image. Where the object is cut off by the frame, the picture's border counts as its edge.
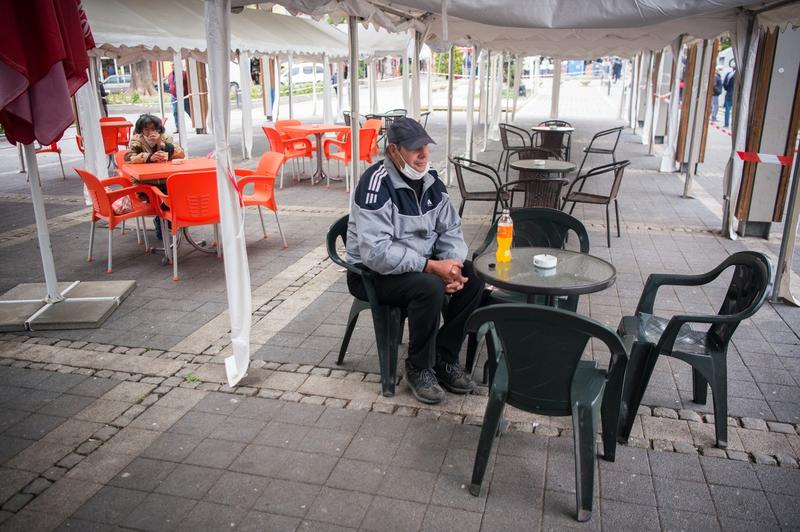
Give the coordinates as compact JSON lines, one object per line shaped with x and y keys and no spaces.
{"x":131,"y":426}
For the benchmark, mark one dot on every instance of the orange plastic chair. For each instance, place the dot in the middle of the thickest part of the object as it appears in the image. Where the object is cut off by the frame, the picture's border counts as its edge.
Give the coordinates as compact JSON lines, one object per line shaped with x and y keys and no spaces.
{"x":291,"y":149}
{"x":191,"y":200}
{"x":123,"y":133}
{"x":376,"y":124}
{"x":263,"y":181}
{"x":119,"y":160}
{"x":79,"y":142}
{"x":103,"y":198}
{"x":366,"y":138}
{"x":53,"y":148}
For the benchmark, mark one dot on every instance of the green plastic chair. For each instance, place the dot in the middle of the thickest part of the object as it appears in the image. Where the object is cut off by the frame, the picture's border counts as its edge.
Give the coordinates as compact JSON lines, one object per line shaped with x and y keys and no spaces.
{"x":706,"y":352}
{"x":387,"y":319}
{"x":538,"y":227}
{"x":536,"y":366}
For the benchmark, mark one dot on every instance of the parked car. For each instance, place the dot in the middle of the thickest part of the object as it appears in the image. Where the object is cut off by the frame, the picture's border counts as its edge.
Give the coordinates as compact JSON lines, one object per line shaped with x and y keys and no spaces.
{"x":303,"y":73}
{"x":117,"y":83}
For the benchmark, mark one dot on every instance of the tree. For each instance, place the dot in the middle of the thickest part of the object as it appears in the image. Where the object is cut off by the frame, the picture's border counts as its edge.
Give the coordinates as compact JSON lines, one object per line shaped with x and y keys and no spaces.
{"x":142,"y":78}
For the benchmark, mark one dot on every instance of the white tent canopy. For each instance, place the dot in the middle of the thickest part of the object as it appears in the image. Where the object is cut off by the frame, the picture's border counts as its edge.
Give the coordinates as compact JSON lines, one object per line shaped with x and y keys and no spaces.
{"x":155,"y":30}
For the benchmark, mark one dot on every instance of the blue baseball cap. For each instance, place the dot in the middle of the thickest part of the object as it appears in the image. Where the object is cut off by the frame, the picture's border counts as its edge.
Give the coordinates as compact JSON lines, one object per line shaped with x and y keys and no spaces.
{"x":408,"y":133}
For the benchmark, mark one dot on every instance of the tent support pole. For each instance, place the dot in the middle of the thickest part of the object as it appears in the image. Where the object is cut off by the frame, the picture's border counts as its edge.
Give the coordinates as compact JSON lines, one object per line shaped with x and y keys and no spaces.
{"x":183,"y":132}
{"x":48,"y":265}
{"x":20,"y":159}
{"x":314,"y":90}
{"x":416,"y":98}
{"x":471,"y":103}
{"x":515,"y":89}
{"x":488,"y":91}
{"x":352,"y":27}
{"x":160,"y":70}
{"x":327,"y":105}
{"x":782,"y":289}
{"x":431,"y":62}
{"x":291,"y":89}
{"x":449,"y":147}
{"x":406,"y":97}
{"x":508,"y":86}
{"x":622,"y":81}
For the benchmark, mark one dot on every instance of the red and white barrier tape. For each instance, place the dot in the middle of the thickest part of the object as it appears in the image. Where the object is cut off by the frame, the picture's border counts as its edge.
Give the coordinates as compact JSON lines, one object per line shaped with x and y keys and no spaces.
{"x":766,"y":158}
{"x":663,"y":97}
{"x":720,"y":128}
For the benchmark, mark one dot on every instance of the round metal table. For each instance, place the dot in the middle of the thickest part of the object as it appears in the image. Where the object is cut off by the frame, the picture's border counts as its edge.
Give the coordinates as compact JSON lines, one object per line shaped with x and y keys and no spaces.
{"x":548,"y":129}
{"x":550,"y":166}
{"x":576,"y":273}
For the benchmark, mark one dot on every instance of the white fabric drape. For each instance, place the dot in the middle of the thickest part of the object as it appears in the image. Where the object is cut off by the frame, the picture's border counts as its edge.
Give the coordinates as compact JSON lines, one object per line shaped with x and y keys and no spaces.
{"x":517,"y":72}
{"x":449,"y":140}
{"x":648,"y":103}
{"x":180,"y":92}
{"x":237,"y":274}
{"x":291,"y":87}
{"x":89,"y":117}
{"x":415,"y":87}
{"x":247,"y":111}
{"x":340,"y":87}
{"x":486,"y":89}
{"x":352,"y":33}
{"x":668,"y":163}
{"x":481,"y":61}
{"x":556,"y":92}
{"x":372,"y":76}
{"x":745,"y":46}
{"x":327,"y":104}
{"x":497,"y":97}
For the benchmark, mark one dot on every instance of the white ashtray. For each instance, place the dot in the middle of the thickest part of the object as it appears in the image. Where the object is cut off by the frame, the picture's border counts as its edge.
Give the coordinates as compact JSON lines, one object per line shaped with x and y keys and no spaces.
{"x":538,"y":162}
{"x":544,"y":261}
{"x":177,"y":161}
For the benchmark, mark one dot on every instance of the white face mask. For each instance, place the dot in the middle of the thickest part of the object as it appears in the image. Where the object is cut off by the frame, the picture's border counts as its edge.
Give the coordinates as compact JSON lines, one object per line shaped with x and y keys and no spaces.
{"x":412,"y":173}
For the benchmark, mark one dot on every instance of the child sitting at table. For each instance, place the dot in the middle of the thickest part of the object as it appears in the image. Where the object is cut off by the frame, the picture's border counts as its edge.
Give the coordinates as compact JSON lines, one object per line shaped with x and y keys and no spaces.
{"x":150,"y":144}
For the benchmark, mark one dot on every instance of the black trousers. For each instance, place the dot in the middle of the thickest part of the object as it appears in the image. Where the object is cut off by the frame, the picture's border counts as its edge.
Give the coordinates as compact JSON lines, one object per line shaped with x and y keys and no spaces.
{"x":423,"y":297}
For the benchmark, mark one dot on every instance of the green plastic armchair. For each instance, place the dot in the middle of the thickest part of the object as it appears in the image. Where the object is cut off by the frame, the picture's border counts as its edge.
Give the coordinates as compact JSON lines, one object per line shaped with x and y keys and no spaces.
{"x":706,"y":352}
{"x":536,"y":366}
{"x":387,"y":319}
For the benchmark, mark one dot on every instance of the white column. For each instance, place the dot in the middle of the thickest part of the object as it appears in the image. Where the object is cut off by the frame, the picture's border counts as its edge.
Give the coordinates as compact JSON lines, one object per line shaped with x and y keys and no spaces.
{"x":48,"y":265}
{"x":20,"y":159}
{"x":783,"y":269}
{"x":656,"y":110}
{"x":518,"y":66}
{"x":237,"y":273}
{"x":183,"y":129}
{"x":327,"y":105}
{"x":415,"y":87}
{"x":291,"y":89}
{"x":449,"y":143}
{"x":668,"y":163}
{"x":352,"y":27}
{"x":536,"y":75}
{"x":247,"y":111}
{"x":470,"y":104}
{"x":556,"y":92}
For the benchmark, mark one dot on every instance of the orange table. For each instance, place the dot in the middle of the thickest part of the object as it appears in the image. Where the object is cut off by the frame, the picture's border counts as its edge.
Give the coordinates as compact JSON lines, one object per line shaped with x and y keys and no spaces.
{"x":109,"y":130}
{"x":317,"y":130}
{"x":157,"y":173}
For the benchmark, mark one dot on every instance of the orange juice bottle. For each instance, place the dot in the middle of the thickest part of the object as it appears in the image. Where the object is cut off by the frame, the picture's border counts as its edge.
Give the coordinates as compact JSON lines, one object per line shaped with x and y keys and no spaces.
{"x":505,"y":234}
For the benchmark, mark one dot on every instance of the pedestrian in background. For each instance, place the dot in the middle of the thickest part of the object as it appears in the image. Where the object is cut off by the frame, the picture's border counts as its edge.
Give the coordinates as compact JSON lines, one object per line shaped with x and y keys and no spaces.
{"x":729,"y":84}
{"x":715,"y":94}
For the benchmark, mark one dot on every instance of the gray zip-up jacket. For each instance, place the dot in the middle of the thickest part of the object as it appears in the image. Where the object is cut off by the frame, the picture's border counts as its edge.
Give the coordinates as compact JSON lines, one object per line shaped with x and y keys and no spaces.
{"x":392,"y":231}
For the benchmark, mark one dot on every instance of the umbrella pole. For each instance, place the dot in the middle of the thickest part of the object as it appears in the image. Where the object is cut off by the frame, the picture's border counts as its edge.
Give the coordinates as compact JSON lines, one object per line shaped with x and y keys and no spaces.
{"x":160,"y":71}
{"x":48,"y":264}
{"x":449,"y":146}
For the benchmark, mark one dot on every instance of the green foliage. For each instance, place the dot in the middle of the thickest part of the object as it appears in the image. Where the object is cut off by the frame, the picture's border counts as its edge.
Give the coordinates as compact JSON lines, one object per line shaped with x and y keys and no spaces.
{"x":724,"y":42}
{"x":300,"y":88}
{"x":135,"y":98}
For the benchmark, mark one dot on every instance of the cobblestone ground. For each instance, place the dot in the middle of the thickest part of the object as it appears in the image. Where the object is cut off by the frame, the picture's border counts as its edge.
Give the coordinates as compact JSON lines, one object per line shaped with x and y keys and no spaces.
{"x":130,"y":426}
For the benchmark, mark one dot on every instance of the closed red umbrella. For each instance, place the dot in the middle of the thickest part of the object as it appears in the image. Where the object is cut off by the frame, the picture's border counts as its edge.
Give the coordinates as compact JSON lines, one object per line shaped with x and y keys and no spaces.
{"x":43,"y":61}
